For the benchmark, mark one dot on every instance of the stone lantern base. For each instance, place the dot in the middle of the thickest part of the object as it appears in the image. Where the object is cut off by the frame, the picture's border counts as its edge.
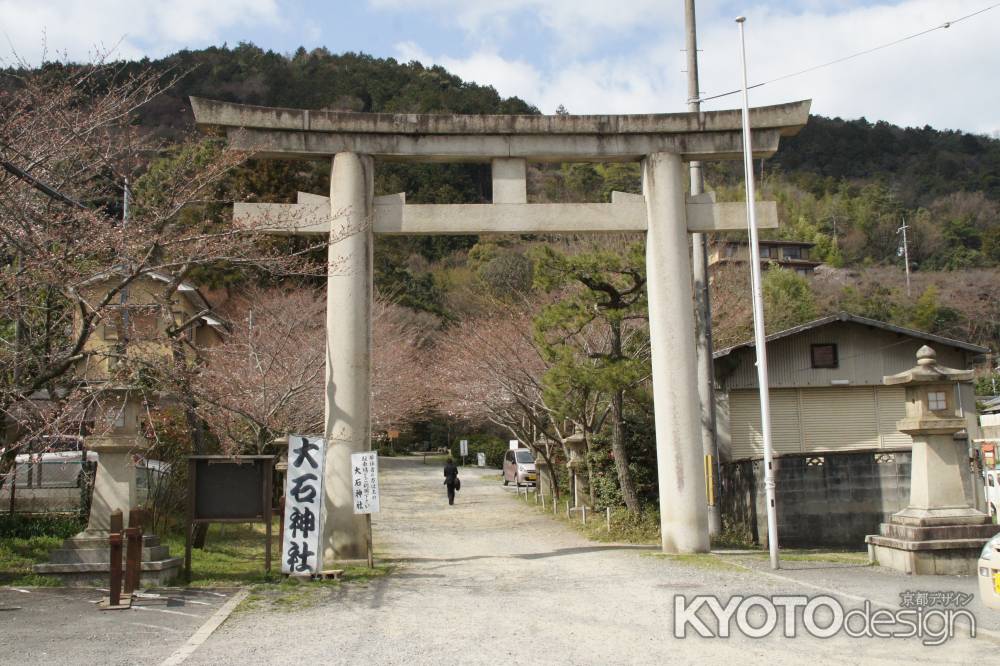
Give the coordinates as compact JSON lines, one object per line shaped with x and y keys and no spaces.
{"x":933,"y":544}
{"x":85,"y":559}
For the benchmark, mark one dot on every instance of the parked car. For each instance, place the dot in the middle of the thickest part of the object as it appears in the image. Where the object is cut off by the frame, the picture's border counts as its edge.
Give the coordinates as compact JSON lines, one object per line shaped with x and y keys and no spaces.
{"x":519,"y":468}
{"x":989,"y":573}
{"x":992,"y":492}
{"x":52,"y":462}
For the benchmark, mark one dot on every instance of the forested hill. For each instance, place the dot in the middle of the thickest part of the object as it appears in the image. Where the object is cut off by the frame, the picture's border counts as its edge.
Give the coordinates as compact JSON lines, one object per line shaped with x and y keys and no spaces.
{"x":846,"y":185}
{"x":920,"y":164}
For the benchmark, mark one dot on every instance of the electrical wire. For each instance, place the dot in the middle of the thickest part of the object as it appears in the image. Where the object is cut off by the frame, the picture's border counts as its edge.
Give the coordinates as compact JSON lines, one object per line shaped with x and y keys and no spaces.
{"x":943,"y":26}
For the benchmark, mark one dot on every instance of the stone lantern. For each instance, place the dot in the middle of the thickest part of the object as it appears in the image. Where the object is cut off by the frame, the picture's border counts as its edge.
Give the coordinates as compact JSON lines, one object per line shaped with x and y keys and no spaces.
{"x":120,"y":440}
{"x":577,"y":464}
{"x":85,"y":558}
{"x":939,"y":532}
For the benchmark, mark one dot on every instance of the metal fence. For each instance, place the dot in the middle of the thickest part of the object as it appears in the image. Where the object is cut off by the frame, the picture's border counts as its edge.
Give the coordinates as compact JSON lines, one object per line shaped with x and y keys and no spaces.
{"x":64,"y":483}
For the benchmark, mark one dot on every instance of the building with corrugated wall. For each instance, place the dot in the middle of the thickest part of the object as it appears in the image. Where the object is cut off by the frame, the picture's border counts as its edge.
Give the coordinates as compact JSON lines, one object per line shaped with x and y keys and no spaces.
{"x":826,"y":387}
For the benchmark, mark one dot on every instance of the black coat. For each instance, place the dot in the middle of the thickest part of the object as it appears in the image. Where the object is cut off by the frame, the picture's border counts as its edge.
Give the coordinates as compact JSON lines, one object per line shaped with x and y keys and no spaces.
{"x":450,"y":473}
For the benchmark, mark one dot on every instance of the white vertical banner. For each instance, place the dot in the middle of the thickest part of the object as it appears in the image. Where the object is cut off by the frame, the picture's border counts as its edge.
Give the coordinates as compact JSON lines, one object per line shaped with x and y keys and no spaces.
{"x":364,"y":478}
{"x":463,"y":447}
{"x":300,"y":551}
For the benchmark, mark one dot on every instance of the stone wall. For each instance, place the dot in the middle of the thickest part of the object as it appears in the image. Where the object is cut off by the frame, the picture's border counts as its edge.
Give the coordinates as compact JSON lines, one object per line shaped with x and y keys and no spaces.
{"x":823,"y":500}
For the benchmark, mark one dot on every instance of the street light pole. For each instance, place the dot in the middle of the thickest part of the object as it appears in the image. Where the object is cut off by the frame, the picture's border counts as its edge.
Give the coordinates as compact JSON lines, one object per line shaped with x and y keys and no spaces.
{"x":760,"y":340}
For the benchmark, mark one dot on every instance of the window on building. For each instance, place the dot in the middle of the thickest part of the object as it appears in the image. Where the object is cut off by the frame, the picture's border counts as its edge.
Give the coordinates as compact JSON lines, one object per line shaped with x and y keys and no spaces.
{"x":792,"y":252}
{"x":765,"y":252}
{"x":824,"y":356}
{"x":730,"y":250}
{"x":937,"y":401}
{"x":114,"y":324}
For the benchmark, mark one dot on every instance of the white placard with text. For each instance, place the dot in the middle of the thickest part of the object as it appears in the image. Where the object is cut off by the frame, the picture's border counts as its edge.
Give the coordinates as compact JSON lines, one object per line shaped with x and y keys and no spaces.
{"x":364,"y":482}
{"x":300,"y":551}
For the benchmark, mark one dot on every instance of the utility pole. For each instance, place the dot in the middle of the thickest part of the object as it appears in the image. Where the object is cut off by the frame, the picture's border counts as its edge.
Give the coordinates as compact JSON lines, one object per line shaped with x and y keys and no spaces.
{"x":703,"y":305}
{"x":906,"y":254}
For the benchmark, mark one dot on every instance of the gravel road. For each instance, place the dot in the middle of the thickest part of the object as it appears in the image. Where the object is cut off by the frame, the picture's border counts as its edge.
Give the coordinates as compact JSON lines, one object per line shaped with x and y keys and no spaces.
{"x":489,"y":581}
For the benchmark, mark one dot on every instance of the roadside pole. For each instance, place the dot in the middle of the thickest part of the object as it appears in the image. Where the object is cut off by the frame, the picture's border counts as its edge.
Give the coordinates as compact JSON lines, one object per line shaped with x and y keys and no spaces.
{"x":702,"y":296}
{"x":760,"y":340}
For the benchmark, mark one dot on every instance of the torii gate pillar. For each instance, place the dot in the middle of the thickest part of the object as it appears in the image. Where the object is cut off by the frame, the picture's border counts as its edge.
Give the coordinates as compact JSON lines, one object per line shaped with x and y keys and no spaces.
{"x":683,"y":511}
{"x":348,"y":350}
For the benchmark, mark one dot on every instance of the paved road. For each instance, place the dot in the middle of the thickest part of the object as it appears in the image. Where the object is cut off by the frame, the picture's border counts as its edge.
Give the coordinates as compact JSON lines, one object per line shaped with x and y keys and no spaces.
{"x":43,"y":625}
{"x":490,"y":580}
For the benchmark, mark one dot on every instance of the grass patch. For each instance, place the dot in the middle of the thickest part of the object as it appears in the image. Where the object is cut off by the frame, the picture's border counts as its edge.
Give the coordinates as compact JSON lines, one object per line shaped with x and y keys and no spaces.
{"x":816,"y":555}
{"x":642,"y":529}
{"x":19,"y":526}
{"x":233,"y":555}
{"x":17,"y":555}
{"x":290,"y":594}
{"x":698,"y":560}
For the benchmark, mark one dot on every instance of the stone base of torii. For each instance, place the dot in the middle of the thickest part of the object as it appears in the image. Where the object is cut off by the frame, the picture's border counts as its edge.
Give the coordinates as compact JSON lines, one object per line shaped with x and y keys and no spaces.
{"x":353,"y":215}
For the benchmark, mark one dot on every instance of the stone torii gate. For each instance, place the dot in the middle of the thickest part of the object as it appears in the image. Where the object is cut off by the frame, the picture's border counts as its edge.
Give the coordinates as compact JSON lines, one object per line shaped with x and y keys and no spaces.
{"x":352,"y":215}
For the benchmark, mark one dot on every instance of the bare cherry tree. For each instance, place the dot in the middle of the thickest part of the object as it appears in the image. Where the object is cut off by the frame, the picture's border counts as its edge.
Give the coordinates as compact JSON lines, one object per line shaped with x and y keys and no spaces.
{"x":265,"y":379}
{"x":400,"y":350}
{"x":488,"y":369}
{"x":87,"y":198}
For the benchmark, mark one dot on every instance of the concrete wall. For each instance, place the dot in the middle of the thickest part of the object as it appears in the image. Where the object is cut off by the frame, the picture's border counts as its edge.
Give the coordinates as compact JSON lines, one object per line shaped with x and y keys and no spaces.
{"x":825,"y":500}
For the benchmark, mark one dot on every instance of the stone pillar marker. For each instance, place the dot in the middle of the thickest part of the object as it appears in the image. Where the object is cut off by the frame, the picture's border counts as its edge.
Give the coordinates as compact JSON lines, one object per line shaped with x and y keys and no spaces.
{"x":939,"y":532}
{"x":348,"y":350}
{"x":679,"y":462}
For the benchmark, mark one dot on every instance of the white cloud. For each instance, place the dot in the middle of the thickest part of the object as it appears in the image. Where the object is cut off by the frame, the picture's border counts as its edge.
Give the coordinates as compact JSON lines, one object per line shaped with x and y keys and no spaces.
{"x":81,"y":29}
{"x":576,"y":26}
{"x":945,"y":79}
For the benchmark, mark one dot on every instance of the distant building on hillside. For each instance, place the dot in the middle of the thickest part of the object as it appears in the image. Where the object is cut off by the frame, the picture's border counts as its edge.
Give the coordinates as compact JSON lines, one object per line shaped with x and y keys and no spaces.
{"x":793,"y":255}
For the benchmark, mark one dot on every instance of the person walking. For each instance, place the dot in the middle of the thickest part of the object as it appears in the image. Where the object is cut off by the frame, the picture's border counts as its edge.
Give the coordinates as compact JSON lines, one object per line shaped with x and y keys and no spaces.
{"x":451,"y":479}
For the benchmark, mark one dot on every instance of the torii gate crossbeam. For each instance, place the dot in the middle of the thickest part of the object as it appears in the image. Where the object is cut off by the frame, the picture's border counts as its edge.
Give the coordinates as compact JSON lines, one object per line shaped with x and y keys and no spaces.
{"x":661,"y":142}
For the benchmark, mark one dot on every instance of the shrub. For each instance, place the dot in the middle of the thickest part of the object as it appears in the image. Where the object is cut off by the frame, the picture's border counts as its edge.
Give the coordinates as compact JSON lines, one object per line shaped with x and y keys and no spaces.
{"x":493,"y":447}
{"x":47,"y":525}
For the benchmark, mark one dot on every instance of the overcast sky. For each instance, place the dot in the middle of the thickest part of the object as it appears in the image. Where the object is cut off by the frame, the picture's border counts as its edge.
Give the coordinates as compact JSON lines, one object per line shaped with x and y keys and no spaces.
{"x":592,"y":56}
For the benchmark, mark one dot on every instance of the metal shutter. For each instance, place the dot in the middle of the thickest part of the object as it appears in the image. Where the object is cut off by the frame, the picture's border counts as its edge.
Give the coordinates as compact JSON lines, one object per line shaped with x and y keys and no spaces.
{"x":839,"y":418}
{"x":892,"y":408}
{"x":744,"y":423}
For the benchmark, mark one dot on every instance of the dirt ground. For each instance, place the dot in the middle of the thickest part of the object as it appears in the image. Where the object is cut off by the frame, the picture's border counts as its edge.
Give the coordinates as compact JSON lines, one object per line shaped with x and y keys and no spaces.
{"x":490,"y":580}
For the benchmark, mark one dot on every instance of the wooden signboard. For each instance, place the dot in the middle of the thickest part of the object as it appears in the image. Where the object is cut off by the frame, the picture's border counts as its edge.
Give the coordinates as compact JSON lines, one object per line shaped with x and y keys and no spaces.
{"x":225,"y":489}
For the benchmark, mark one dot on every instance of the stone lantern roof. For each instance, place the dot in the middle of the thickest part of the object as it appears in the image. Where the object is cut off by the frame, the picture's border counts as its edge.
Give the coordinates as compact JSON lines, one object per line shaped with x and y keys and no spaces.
{"x":931,"y":407}
{"x":928,"y":371}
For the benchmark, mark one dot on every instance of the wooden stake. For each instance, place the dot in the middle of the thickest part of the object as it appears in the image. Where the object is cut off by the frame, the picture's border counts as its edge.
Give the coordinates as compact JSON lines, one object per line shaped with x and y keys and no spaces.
{"x":371,"y":555}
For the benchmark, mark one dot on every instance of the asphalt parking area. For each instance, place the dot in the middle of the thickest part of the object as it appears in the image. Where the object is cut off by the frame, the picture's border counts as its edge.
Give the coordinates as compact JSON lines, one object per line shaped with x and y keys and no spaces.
{"x":64,"y":625}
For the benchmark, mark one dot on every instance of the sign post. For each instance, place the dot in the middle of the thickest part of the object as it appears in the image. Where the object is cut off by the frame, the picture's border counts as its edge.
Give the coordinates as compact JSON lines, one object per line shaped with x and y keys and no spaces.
{"x":301,"y":552}
{"x":364,"y":477}
{"x":463,"y":449}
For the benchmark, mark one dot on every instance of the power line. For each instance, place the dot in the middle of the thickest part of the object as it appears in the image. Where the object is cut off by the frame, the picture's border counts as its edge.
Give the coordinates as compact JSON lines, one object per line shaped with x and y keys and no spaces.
{"x":943,"y":26}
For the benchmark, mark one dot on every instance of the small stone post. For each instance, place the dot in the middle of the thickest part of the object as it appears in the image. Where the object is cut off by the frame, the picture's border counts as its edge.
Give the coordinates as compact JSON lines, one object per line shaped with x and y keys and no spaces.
{"x":577,"y":464}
